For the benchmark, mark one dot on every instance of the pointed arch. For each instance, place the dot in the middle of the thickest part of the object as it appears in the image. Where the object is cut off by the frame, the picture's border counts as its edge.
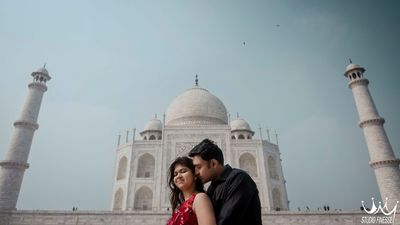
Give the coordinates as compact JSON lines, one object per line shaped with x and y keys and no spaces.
{"x":143,"y":199}
{"x":248,"y":163}
{"x":118,"y":196}
{"x":273,"y":172}
{"x":276,"y":199}
{"x":241,"y":136}
{"x":152,"y":137}
{"x":146,"y":165}
{"x":122,"y":166}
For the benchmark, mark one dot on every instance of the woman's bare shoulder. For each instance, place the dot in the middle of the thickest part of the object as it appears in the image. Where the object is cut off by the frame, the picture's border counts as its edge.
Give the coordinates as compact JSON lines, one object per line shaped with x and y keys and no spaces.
{"x":201,"y":199}
{"x":204,"y":210}
{"x":201,"y":196}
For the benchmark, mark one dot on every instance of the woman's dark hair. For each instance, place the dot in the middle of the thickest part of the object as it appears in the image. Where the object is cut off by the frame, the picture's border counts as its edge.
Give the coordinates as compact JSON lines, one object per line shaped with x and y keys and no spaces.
{"x":176,"y":195}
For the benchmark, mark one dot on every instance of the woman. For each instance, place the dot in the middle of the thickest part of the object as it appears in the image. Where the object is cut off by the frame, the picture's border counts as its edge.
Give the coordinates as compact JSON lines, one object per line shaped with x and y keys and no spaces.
{"x":190,"y":205}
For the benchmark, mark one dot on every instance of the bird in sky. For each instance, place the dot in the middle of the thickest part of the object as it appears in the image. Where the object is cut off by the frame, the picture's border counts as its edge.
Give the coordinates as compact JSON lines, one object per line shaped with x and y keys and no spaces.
{"x":244,"y":43}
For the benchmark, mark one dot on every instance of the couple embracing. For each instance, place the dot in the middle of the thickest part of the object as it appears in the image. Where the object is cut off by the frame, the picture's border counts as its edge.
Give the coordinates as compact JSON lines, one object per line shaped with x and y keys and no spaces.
{"x":232,"y":197}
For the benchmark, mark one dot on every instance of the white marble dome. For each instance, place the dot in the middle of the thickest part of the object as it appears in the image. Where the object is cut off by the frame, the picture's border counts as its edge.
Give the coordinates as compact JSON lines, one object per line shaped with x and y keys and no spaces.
{"x":153,"y":125}
{"x":42,"y":72}
{"x":352,"y":67}
{"x":240,"y":124}
{"x":196,"y":106}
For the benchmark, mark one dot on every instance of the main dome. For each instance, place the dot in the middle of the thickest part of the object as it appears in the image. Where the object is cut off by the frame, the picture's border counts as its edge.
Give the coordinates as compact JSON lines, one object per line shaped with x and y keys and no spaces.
{"x":196,"y":106}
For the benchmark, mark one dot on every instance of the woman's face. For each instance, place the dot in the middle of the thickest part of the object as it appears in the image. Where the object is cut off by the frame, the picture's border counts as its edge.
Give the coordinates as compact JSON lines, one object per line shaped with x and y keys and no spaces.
{"x":184,"y":178}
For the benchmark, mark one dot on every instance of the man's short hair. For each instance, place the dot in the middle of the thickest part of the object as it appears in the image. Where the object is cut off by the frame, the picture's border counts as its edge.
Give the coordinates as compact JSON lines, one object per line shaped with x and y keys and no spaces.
{"x":207,"y":150}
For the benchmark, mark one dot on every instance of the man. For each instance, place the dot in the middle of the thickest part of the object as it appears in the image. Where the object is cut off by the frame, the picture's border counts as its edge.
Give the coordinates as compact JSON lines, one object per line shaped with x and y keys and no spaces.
{"x":233,"y":193}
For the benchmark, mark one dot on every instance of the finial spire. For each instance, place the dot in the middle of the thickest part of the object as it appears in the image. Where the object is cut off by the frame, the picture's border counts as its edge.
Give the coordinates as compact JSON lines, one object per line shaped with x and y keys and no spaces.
{"x":155,"y":116}
{"x":44,"y":66}
{"x":197,"y":80}
{"x":350,"y":61}
{"x":276,"y":138}
{"x":133,"y":135}
{"x":119,"y":139}
{"x":237,"y":115}
{"x":269,"y":139}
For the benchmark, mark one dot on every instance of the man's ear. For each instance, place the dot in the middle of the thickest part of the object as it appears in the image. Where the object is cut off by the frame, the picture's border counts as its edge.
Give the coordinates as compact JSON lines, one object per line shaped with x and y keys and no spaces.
{"x":214,"y":163}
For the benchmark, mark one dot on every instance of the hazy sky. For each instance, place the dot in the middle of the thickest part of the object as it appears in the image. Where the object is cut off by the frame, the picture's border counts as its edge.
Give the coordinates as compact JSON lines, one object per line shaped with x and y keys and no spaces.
{"x":114,"y":64}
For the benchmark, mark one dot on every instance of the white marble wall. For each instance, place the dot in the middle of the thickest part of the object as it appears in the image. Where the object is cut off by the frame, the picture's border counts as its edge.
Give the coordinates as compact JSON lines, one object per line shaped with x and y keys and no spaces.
{"x":179,"y":141}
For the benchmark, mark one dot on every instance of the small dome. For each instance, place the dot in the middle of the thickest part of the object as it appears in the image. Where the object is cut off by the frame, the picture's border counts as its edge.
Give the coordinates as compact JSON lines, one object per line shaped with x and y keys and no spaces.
{"x":352,"y":67}
{"x":153,"y":125}
{"x":240,"y":124}
{"x":196,"y":106}
{"x":42,"y":71}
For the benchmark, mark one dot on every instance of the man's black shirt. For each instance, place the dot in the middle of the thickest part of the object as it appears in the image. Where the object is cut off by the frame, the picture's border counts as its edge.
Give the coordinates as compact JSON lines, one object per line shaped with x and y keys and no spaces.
{"x":235,"y":199}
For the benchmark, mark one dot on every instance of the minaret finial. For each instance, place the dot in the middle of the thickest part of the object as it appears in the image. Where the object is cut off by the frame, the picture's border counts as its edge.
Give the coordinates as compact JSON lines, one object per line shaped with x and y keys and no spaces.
{"x":119,"y":139}
{"x":155,"y":116}
{"x":269,"y":139}
{"x":350,"y":61}
{"x":163,"y":119}
{"x":44,"y":66}
{"x":197,"y":80}
{"x":127,"y":135}
{"x":237,"y":115}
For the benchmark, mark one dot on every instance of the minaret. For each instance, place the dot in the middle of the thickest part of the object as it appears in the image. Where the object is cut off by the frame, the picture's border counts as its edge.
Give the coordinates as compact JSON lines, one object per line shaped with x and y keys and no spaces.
{"x":382,"y":158}
{"x":13,"y":167}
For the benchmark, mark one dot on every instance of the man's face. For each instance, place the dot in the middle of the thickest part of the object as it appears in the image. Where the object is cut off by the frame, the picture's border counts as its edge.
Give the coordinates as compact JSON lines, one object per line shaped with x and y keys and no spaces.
{"x":205,"y":170}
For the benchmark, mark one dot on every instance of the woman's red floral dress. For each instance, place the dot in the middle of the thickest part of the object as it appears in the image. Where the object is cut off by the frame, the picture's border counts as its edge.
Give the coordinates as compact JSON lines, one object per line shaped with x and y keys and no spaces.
{"x":184,"y":215}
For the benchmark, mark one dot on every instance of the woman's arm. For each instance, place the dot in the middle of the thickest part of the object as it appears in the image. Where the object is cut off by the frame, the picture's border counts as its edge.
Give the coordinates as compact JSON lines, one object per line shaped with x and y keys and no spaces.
{"x":204,"y":210}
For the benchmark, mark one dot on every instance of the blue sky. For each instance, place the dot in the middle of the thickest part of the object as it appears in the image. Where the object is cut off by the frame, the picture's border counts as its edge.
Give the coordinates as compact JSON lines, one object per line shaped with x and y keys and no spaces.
{"x":115,"y":64}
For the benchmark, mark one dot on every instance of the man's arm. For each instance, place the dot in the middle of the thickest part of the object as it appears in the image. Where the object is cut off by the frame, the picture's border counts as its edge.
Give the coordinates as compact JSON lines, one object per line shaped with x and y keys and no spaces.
{"x":240,"y":193}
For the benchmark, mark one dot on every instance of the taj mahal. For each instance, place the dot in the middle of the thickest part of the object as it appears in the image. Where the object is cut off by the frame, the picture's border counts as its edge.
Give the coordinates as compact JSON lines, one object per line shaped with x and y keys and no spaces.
{"x":140,"y":192}
{"x":139,"y":181}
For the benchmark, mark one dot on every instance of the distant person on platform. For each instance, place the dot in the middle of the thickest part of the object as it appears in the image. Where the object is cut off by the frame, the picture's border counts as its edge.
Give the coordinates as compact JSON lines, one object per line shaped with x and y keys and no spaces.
{"x":234,"y":195}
